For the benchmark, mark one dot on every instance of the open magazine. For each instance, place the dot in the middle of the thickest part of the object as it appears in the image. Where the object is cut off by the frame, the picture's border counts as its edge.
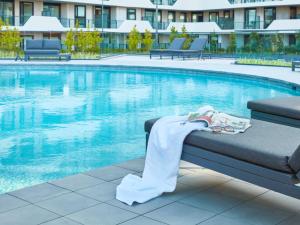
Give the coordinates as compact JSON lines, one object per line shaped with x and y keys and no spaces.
{"x":220,"y":122}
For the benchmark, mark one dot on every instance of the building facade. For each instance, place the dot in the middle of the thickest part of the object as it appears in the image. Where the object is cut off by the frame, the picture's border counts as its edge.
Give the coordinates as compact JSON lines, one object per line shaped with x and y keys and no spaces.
{"x":115,"y":18}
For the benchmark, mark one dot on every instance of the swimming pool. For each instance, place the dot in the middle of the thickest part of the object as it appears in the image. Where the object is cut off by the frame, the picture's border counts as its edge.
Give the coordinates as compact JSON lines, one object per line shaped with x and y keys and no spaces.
{"x":58,"y":121}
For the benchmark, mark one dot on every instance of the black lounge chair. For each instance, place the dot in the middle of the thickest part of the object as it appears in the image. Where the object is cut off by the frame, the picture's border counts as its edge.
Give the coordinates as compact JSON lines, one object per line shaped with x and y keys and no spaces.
{"x":267,"y":154}
{"x":196,"y":49}
{"x":295,"y":64}
{"x":44,"y":48}
{"x":174,"y":46}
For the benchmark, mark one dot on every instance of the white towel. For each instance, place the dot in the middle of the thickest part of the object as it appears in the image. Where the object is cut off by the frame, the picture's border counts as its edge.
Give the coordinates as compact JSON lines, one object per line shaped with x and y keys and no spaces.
{"x":162,"y":160}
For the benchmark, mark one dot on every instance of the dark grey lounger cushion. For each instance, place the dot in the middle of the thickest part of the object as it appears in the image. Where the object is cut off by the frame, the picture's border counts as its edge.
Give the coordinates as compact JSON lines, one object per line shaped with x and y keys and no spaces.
{"x":287,"y":106}
{"x":266,"y":144}
{"x":52,"y":44}
{"x":34,"y":44}
{"x":294,"y":161}
{"x":42,"y":52}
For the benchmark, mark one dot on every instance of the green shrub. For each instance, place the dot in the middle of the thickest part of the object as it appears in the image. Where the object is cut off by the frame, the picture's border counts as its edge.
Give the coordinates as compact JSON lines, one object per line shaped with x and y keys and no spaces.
{"x":213,"y":43}
{"x":187,"y":37}
{"x":173,"y":34}
{"x":263,"y":62}
{"x":232,"y":43}
{"x":134,"y":39}
{"x":147,"y":40}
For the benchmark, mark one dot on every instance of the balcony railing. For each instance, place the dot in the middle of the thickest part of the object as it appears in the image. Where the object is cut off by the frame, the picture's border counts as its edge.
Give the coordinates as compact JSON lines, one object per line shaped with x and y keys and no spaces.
{"x":156,"y":25}
{"x":226,"y":23}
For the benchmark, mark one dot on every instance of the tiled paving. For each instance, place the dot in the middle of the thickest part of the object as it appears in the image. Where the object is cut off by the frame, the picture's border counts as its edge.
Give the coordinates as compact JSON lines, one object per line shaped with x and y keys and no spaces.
{"x":202,"y":197}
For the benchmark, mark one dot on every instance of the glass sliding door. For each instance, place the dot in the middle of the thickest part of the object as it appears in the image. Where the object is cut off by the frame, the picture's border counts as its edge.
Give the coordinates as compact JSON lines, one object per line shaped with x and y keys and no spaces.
{"x":251,"y":20}
{"x":214,"y":17}
{"x":26,"y":11}
{"x":197,"y":17}
{"x":171,"y":16}
{"x":99,"y":16}
{"x":269,"y":16}
{"x":7,"y":11}
{"x":80,"y":15}
{"x":150,"y":16}
{"x":51,"y":9}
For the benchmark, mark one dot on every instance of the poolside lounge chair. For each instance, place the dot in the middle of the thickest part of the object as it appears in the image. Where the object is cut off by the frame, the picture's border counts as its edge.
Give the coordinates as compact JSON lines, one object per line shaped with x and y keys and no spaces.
{"x":267,"y":154}
{"x":196,"y":49}
{"x":44,"y":48}
{"x":295,"y":64}
{"x":175,"y":45}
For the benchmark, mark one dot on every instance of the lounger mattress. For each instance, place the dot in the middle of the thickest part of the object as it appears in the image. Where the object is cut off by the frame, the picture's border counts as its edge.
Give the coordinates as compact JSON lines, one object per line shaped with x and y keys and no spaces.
{"x":265,"y":144}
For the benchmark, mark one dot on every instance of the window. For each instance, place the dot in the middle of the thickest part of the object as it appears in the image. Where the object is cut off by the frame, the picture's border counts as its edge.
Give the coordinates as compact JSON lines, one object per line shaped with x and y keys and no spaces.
{"x":214,"y":17}
{"x":53,"y":36}
{"x":106,"y":17}
{"x":227,"y":14}
{"x":197,"y":17}
{"x":131,"y":14}
{"x":7,"y":11}
{"x":293,"y":12}
{"x":269,"y":16}
{"x":182,"y":17}
{"x":80,"y":15}
{"x":251,"y":21}
{"x":150,"y":16}
{"x":171,"y":16}
{"x":26,"y":11}
{"x":51,"y":9}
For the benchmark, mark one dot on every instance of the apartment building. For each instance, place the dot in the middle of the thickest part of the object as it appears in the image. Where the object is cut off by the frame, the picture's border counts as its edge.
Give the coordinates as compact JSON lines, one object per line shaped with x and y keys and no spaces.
{"x":115,"y":18}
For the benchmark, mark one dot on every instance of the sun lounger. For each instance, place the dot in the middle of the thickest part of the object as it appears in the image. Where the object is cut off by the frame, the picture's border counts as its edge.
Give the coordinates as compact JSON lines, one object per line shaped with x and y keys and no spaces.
{"x":295,"y":64}
{"x":196,"y":49}
{"x":175,"y":45}
{"x":44,"y":48}
{"x":267,"y":154}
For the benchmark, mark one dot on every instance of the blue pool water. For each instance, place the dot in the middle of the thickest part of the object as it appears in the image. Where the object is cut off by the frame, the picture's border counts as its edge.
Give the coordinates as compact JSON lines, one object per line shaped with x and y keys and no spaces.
{"x":58,"y":121}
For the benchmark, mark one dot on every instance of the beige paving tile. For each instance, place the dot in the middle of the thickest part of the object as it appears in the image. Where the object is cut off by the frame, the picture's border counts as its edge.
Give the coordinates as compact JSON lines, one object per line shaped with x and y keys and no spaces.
{"x":141,"y":220}
{"x":103,"y":192}
{"x":110,"y":173}
{"x":179,"y":214}
{"x":135,"y":165}
{"x":102,"y":214}
{"x":68,"y":203}
{"x":39,"y":192}
{"x":77,"y":182}
{"x":142,"y":208}
{"x":8,"y":202}
{"x":212,"y":201}
{"x":28,"y":215}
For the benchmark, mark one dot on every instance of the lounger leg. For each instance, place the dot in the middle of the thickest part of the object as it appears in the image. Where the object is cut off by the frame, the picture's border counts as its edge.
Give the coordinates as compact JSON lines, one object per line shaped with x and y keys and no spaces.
{"x":150,"y":56}
{"x":293,"y":67}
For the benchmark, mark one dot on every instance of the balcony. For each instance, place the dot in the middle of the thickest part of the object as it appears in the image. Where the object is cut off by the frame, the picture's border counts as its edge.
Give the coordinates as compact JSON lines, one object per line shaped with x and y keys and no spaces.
{"x":226,"y":23}
{"x":156,"y":25}
{"x":249,"y":1}
{"x":163,"y":2}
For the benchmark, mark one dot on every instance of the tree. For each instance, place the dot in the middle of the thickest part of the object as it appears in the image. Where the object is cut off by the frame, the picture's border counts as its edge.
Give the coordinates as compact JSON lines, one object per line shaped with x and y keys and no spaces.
{"x":277,"y":43}
{"x":173,"y":34}
{"x":10,"y":39}
{"x":255,"y":43}
{"x":187,"y":37}
{"x":147,"y":40}
{"x":134,"y":39}
{"x":70,"y":41}
{"x":213,"y":42}
{"x":298,"y":42}
{"x":232,"y":43}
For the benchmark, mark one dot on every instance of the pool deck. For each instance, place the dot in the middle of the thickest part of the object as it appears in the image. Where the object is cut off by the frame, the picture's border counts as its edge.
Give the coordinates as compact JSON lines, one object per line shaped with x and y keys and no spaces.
{"x":202,"y":196}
